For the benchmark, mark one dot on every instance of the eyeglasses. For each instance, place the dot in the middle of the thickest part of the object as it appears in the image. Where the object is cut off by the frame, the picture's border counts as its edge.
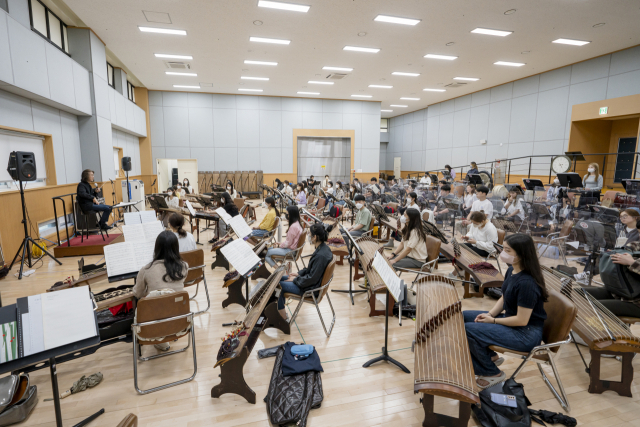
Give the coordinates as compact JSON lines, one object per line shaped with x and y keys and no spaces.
{"x":624,"y":216}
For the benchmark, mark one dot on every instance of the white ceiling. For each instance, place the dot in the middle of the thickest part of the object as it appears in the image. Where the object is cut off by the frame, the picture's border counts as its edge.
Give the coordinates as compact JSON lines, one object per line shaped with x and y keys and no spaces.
{"x":219,"y":31}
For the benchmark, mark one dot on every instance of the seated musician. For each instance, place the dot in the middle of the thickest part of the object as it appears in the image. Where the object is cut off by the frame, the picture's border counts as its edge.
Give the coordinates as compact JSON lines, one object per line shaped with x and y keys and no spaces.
{"x":173,"y":202}
{"x":362,"y":222}
{"x":353,"y":190}
{"x":87,"y":196}
{"x":412,"y":252}
{"x":269,"y":221}
{"x":301,"y":196}
{"x":186,"y":242}
{"x":166,"y":271}
{"x":513,"y":206}
{"x":441,"y":212}
{"x":279,"y":184}
{"x":232,"y":209}
{"x":179,"y":191}
{"x":287,"y":188}
{"x":482,"y":204}
{"x":339,"y":195}
{"x":232,"y":191}
{"x":473,"y":170}
{"x":516,"y":320}
{"x":554,"y":190}
{"x":311,"y":183}
{"x":311,"y":277}
{"x":293,"y":234}
{"x":187,"y":186}
{"x":482,"y":234}
{"x":426,"y":179}
{"x":357,"y":184}
{"x":469,"y":198}
{"x":325,"y":182}
{"x":451,"y":172}
{"x":412,"y":203}
{"x":630,"y":218}
{"x":592,"y":179}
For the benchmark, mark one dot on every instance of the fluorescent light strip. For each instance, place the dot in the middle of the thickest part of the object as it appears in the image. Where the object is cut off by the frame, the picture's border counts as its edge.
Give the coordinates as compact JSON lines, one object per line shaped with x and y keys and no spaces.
{"x":260,"y":62}
{"x":173,"y":73}
{"x":254,"y":78}
{"x":163,"y":55}
{"x":401,"y":106}
{"x":490,"y":32}
{"x":313,"y":82}
{"x":187,"y":87}
{"x":396,"y":20}
{"x":381,"y":86}
{"x":265,"y":40}
{"x":162,"y":31}
{"x":337,"y":69}
{"x":361,"y":96}
{"x":411,"y":99}
{"x":361,"y":49}
{"x":571,"y":42}
{"x":468,"y":79}
{"x":308,"y":93}
{"x":284,"y":6}
{"x":250,"y":90}
{"x":387,"y":111}
{"x":398,"y":73}
{"x":509,"y":64}
{"x":434,"y":90}
{"x":434,"y":56}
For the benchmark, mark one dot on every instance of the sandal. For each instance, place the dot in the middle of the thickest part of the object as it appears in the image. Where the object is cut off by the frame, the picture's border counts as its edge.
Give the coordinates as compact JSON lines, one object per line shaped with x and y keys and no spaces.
{"x":499,"y":361}
{"x":491,"y":380}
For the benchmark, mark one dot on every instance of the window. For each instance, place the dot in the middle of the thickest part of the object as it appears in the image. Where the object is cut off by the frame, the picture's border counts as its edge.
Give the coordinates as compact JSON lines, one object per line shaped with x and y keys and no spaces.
{"x":131,"y":93}
{"x":111,"y":76}
{"x":48,"y":25}
{"x":384,"y":123}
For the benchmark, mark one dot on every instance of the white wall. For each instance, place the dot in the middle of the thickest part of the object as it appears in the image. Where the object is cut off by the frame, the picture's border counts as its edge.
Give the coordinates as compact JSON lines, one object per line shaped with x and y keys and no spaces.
{"x":238,"y":132}
{"x":527,"y":117}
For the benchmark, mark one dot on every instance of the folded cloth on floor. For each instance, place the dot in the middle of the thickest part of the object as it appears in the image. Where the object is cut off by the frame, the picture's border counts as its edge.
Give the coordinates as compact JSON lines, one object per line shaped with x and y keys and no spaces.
{"x":291,"y":366}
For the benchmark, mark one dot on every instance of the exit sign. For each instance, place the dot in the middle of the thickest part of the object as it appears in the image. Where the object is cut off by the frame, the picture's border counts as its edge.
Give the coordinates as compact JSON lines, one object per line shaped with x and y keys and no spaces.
{"x":604,"y":110}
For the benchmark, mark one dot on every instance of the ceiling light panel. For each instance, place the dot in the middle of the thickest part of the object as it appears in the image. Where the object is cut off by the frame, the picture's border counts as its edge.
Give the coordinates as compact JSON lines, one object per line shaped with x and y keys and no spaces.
{"x":173,"y":73}
{"x":434,"y":90}
{"x":167,"y":56}
{"x":434,"y":56}
{"x":187,"y":87}
{"x":400,"y":106}
{"x":314,"y":82}
{"x":398,"y":73}
{"x":338,"y":69}
{"x":260,"y":62}
{"x":162,"y":31}
{"x":250,"y":90}
{"x":387,"y":111}
{"x":308,"y":93}
{"x":509,"y":64}
{"x":361,"y":49}
{"x":266,"y":40}
{"x":284,"y":6}
{"x":468,"y":79}
{"x":489,"y":32}
{"x":361,"y":96}
{"x":410,"y":99}
{"x":571,"y":42}
{"x":396,"y":20}
{"x":381,"y":86}
{"x":254,"y":78}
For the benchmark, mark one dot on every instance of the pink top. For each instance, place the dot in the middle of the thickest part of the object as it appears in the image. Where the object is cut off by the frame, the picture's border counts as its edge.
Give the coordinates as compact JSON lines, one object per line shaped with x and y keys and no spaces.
{"x":293,"y":235}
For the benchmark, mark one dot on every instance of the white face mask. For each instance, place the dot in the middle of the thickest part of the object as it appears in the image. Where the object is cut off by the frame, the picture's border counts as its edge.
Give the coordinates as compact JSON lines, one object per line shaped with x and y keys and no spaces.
{"x":185,"y":183}
{"x":403,"y":219}
{"x":556,"y":181}
{"x":170,"y":193}
{"x":229,"y":188}
{"x":359,"y":205}
{"x":591,"y":170}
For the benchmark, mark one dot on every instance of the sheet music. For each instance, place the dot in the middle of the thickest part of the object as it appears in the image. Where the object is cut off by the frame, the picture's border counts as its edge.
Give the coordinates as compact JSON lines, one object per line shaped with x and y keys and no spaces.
{"x":224,"y":215}
{"x":147,"y":216}
{"x":191,"y":210}
{"x":375,"y":189}
{"x":32,"y":327}
{"x":131,"y":218}
{"x":133,"y":233}
{"x":67,"y":316}
{"x":240,"y":226}
{"x":120,"y":259}
{"x":143,"y":252}
{"x":240,"y":256}
{"x":388,"y":275}
{"x":151,"y":230}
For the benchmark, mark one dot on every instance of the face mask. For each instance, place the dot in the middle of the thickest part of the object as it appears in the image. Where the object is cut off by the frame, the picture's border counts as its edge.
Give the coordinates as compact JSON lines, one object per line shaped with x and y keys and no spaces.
{"x":229,"y":188}
{"x":556,"y":181}
{"x":170,"y":193}
{"x":185,"y":183}
{"x":359,"y":205}
{"x":506,"y":258}
{"x":403,"y":219}
{"x":591,"y":170}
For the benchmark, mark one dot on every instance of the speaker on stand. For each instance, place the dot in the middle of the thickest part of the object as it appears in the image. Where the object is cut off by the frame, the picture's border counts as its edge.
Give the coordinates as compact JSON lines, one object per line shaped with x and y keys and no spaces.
{"x":174,"y":176}
{"x":126,"y":167}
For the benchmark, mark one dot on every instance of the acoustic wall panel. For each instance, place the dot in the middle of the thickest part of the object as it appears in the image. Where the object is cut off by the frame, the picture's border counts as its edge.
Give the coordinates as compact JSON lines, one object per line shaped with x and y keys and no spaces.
{"x":248,"y":128}
{"x":270,"y":123}
{"x":15,"y":111}
{"x":625,"y":61}
{"x":224,"y":130}
{"x":176,"y":127}
{"x":199,"y":100}
{"x":6,"y":74}
{"x":200,"y":128}
{"x":523,"y":118}
{"x":247,"y":102}
{"x":155,"y":98}
{"x":29,"y":61}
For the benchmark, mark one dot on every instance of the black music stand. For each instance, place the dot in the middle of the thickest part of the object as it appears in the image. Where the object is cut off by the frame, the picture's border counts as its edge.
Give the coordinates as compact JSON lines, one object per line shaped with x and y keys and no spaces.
{"x":475,"y":179}
{"x":454,"y":208}
{"x":570,"y":180}
{"x":352,"y":261}
{"x":531,"y":184}
{"x":576,"y":156}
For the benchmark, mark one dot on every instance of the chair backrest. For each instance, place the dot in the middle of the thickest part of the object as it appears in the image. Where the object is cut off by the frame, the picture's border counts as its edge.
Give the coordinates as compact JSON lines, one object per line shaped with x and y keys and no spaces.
{"x":501,"y":234}
{"x":321,"y":203}
{"x":372,"y":223}
{"x":181,"y":202}
{"x":433,"y":248}
{"x":567,"y":226}
{"x":276,"y":223}
{"x":239,"y":202}
{"x":561,"y":312}
{"x":301,"y":241}
{"x":458,"y":190}
{"x":610,"y":195}
{"x":310,"y":199}
{"x":163,"y":307}
{"x":194,"y":258}
{"x":326,"y":277}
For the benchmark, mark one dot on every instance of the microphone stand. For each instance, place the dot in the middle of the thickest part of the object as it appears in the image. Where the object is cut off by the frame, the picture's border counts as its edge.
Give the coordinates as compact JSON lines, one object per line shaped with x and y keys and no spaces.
{"x":114,"y":201}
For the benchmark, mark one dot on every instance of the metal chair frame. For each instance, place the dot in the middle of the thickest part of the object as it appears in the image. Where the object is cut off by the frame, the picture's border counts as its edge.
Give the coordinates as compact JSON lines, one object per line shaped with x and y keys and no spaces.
{"x":303,"y":299}
{"x":292,"y":256}
{"x":206,"y":288}
{"x":430,"y":266}
{"x":560,"y":242}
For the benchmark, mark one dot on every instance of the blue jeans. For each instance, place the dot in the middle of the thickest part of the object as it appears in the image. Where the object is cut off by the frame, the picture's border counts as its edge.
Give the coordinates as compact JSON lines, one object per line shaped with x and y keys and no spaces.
{"x":276,"y":252}
{"x":341,"y":203}
{"x":287,"y":288}
{"x":259,"y":233}
{"x":106,"y":211}
{"x":482,"y":335}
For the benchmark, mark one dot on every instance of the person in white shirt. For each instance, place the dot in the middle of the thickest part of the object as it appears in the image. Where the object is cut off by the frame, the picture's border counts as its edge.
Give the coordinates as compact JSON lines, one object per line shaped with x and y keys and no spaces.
{"x":482,"y":234}
{"x":412,"y":252}
{"x":425,"y":179}
{"x":232,"y":191}
{"x":187,"y":185}
{"x":186,"y":241}
{"x":469,"y":198}
{"x":412,"y":203}
{"x":325,"y":182}
{"x":288,"y":190}
{"x":513,"y":207}
{"x":173,"y":202}
{"x":482,"y":204}
{"x":180,"y":191}
{"x":552,"y":192}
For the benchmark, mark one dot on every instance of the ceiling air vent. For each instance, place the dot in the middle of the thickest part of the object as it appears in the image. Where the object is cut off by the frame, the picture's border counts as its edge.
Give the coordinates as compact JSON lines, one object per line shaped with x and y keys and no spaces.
{"x":178,"y":65}
{"x":336,"y":76}
{"x":455,"y":84}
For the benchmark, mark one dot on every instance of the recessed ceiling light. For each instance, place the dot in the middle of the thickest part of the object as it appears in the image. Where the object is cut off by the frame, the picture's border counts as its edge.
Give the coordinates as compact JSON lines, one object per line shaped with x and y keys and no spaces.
{"x":387,"y":111}
{"x":265,"y":40}
{"x":284,"y":6}
{"x":362,"y":34}
{"x":447,"y":57}
{"x":395,"y":20}
{"x":337,"y":69}
{"x":510,"y":12}
{"x":509,"y":64}
{"x":250,"y":90}
{"x":257,"y":22}
{"x":410,"y":99}
{"x":524,"y":52}
{"x":398,"y":73}
{"x":381,"y":86}
{"x":401,"y":106}
{"x":469,"y":79}
{"x":319,"y":83}
{"x":571,"y":42}
{"x":361,"y":49}
{"x":173,"y":73}
{"x":489,"y":32}
{"x":361,"y":96}
{"x":162,"y":30}
{"x":187,"y":87}
{"x":164,"y":55}
{"x":598,"y":25}
{"x":308,"y":93}
{"x":260,"y":62}
{"x":450,"y":44}
{"x":254,"y":78}
{"x":434,"y":90}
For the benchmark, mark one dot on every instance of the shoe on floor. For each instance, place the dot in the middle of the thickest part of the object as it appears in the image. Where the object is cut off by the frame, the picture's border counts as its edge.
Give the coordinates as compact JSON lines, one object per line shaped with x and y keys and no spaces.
{"x":165,"y":346}
{"x":491,"y":380}
{"x":106,"y":226}
{"x":582,"y":278}
{"x":389,"y":245}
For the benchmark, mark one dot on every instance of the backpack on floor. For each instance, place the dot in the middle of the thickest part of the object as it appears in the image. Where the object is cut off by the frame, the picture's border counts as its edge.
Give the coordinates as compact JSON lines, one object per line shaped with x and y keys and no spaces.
{"x":389,"y":209}
{"x":335,"y":211}
{"x":617,"y":278}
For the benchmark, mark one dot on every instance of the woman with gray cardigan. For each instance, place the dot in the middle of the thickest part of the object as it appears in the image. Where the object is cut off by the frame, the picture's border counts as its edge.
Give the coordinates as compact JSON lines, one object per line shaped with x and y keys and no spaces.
{"x":592,"y":180}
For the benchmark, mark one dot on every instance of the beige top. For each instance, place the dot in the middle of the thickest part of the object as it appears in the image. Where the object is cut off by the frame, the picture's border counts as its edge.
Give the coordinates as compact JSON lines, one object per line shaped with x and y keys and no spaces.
{"x":417,"y":245}
{"x":150,"y":278}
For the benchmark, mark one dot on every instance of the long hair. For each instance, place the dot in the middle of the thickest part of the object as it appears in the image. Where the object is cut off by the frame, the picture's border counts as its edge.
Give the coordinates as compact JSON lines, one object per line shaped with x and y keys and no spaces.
{"x":85,"y":175}
{"x":319,"y":231}
{"x":167,"y":250}
{"x":526,"y":250}
{"x":597,"y":173}
{"x":414,"y":196}
{"x":187,"y":184}
{"x":231,"y":184}
{"x":293,"y":216}
{"x":447,"y":167}
{"x":176,"y":221}
{"x":473,"y":188}
{"x":415,"y":223}
{"x":272,"y":202}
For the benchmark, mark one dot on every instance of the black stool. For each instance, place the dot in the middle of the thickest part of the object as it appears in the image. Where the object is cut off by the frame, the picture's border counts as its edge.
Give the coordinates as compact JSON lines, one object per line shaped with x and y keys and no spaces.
{"x":86,"y":216}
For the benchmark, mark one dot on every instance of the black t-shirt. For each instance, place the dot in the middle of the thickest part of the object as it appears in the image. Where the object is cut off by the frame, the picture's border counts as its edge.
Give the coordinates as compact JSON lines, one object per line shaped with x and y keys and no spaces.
{"x":520,"y":290}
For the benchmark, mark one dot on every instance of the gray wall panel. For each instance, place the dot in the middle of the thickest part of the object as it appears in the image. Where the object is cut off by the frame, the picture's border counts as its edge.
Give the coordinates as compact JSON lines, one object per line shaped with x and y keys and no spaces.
{"x":176,"y":127}
{"x":331,"y":120}
{"x":523,"y":118}
{"x":121,"y":110}
{"x":551,"y":115}
{"x":175,"y":99}
{"x":15,"y":111}
{"x":311,"y":120}
{"x":47,"y":120}
{"x":101,"y":95}
{"x":247,"y":102}
{"x":157,"y":153}
{"x":156,"y":117}
{"x":478,"y":124}
{"x":480,"y":98}
{"x":290,"y":120}
{"x":371,"y":131}
{"x":592,"y":69}
{"x":200,"y":100}
{"x":98,"y":56}
{"x":433,"y":132}
{"x":353,"y":122}
{"x":271,"y":160}
{"x":624,"y":84}
{"x":625,"y":61}
{"x":6,"y":74}
{"x":270,"y":128}
{"x":200,"y":127}
{"x":369,"y":107}
{"x":447,"y":107}
{"x":462,"y":103}
{"x":502,"y":92}
{"x":416,"y":139}
{"x":270,"y":103}
{"x":224,"y":101}
{"x":407,"y":137}
{"x":312,"y":105}
{"x":291,"y":104}
{"x":226,"y":159}
{"x":248,"y":128}
{"x":555,"y":78}
{"x":224,"y":129}
{"x":526,"y":86}
{"x":29,"y":59}
{"x":499,"y":119}
{"x":461,"y":128}
{"x":130,"y":110}
{"x":351,"y":107}
{"x":370,"y":160}
{"x":19,"y":10}
{"x":177,"y":153}
{"x":331,"y":106}
{"x":155,"y":98}
{"x":71,"y":143}
{"x":206,"y":158}
{"x":445,"y":136}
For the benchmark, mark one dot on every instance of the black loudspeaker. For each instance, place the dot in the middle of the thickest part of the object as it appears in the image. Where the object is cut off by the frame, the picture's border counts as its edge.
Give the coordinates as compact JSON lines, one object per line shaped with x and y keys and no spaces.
{"x":174,"y":176}
{"x":22,"y":166}
{"x":126,"y":164}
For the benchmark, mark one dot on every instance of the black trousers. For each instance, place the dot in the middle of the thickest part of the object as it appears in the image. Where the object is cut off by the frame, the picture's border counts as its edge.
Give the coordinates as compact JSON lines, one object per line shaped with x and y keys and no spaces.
{"x":616,"y":306}
{"x":480,"y":252}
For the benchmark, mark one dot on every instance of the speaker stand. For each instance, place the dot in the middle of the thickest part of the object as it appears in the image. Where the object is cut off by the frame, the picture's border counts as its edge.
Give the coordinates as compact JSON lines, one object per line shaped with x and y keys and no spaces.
{"x":24,"y":246}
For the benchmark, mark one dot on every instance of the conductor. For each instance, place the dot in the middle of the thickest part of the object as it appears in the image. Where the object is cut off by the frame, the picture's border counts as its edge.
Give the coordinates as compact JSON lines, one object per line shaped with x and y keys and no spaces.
{"x":88,"y":201}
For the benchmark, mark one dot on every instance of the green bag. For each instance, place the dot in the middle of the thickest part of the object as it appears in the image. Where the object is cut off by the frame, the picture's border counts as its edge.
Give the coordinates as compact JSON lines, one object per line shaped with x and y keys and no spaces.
{"x":617,"y":278}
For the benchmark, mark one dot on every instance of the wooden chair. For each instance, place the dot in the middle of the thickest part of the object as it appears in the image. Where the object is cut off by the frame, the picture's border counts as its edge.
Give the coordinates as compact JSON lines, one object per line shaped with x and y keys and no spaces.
{"x":309,"y":297}
{"x":561,"y":312}
{"x":295,"y":254}
{"x":162,"y":319}
{"x":433,"y":252}
{"x":371,"y":225}
{"x":494,"y":254}
{"x":130,"y":420}
{"x":239,"y":202}
{"x":195,"y":274}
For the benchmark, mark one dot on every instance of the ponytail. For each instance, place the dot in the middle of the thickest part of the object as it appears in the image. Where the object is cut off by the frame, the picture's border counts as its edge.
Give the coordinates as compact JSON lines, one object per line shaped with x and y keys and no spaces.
{"x":176,"y":221}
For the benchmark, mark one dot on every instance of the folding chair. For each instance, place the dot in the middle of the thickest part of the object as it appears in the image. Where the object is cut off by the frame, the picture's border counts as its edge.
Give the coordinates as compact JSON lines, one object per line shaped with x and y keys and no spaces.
{"x":433,"y":252}
{"x":494,"y":254}
{"x":195,"y":275}
{"x":295,"y":254}
{"x":559,"y":239}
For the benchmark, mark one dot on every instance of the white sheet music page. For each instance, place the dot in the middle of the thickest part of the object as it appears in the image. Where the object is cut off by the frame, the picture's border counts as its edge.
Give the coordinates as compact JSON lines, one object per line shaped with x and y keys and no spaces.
{"x":224,"y":215}
{"x":151,"y":230}
{"x":143,"y":253}
{"x":33,"y":332}
{"x":120,"y":258}
{"x":131,"y":218}
{"x":133,"y":233}
{"x":240,"y":256}
{"x":388,"y":275}
{"x":147,"y":216}
{"x":190,"y":207}
{"x":67,"y":316}
{"x":240,"y":226}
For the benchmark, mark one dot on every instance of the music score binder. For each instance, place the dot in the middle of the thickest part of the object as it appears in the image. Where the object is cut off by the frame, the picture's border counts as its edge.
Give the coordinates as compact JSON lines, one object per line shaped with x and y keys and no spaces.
{"x":240,"y":256}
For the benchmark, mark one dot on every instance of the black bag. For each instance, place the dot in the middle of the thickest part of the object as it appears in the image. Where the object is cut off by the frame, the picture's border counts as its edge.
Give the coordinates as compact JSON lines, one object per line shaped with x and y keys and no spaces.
{"x":335,"y":211}
{"x":618,"y":279}
{"x":490,"y":414}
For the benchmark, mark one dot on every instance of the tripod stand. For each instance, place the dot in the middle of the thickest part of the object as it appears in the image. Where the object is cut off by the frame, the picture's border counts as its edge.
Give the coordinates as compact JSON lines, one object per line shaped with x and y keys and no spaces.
{"x":24,"y":246}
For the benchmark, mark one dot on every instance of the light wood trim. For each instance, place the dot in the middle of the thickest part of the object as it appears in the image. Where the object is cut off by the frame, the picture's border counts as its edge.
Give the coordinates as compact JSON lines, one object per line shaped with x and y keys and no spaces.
{"x":146,"y":156}
{"x":49,"y":157}
{"x":618,"y":108}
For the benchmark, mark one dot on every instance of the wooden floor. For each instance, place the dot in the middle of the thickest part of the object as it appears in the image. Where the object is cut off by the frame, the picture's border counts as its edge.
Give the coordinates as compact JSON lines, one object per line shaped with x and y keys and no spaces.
{"x":353,"y":395}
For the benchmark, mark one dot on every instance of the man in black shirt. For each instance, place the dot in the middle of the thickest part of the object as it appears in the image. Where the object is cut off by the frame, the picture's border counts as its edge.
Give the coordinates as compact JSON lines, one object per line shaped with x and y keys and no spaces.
{"x":87,"y":199}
